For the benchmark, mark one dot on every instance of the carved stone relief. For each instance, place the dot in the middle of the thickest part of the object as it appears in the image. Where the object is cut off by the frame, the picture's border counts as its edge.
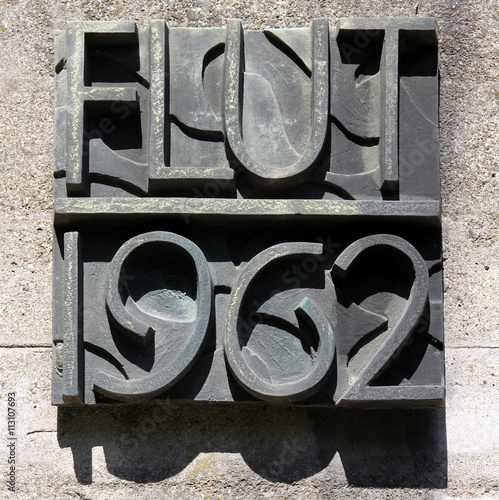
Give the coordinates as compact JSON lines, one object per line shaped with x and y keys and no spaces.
{"x":248,"y":215}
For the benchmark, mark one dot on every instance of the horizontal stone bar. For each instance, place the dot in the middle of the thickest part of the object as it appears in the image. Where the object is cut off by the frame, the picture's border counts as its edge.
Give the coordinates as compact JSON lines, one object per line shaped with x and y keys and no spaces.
{"x":399,"y":23}
{"x":69,"y":210}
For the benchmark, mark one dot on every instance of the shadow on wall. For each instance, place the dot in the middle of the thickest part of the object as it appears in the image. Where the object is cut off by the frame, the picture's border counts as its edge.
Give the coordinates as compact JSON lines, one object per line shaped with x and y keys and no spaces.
{"x":149,"y":443}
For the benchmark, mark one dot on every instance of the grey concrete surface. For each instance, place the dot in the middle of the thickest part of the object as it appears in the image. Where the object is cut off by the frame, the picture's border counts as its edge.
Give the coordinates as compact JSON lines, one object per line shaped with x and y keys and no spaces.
{"x":246,"y":452}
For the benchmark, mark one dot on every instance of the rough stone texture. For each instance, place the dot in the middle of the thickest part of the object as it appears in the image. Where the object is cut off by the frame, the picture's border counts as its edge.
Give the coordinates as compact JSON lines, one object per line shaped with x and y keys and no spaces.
{"x":297,"y":275}
{"x":230,"y":454}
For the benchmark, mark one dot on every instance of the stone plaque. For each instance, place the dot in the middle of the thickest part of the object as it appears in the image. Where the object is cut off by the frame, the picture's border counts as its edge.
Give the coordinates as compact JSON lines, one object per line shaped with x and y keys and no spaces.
{"x":248,"y":215}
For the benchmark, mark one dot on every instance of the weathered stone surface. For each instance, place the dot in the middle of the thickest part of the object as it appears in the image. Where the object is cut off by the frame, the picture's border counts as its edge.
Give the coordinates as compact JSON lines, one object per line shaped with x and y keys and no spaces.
{"x":251,"y":451}
{"x":344,"y":112}
{"x":248,"y":215}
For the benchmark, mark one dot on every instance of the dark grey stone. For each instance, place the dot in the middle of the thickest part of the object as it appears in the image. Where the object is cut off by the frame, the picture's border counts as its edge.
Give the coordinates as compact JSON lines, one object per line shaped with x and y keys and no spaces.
{"x":248,"y":215}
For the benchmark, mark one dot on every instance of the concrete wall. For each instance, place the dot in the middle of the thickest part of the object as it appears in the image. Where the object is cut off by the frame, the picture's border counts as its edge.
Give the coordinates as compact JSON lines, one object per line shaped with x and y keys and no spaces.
{"x":253,"y":452}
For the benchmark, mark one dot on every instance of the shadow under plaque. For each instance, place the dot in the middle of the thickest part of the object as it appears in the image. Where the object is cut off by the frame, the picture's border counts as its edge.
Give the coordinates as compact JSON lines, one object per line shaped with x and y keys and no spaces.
{"x":392,"y":448}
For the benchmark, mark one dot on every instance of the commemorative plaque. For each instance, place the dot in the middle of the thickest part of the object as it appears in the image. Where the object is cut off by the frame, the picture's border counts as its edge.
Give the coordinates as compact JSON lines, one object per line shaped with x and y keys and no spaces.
{"x":248,"y":216}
